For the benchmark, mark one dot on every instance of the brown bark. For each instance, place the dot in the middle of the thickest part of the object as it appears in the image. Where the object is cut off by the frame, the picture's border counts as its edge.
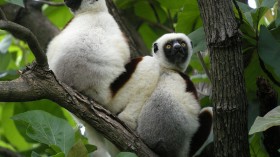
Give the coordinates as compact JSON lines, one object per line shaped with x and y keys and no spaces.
{"x":229,"y":96}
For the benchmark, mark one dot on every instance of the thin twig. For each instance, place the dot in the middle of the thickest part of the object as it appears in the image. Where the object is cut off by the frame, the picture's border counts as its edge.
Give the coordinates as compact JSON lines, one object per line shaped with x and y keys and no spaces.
{"x":26,"y":35}
{"x":239,"y":13}
{"x":155,"y":11}
{"x":155,"y":24}
{"x":204,"y":65}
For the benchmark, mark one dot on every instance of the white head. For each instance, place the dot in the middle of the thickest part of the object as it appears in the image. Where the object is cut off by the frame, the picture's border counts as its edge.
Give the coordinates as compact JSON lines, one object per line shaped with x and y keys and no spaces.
{"x":80,"y":6}
{"x":173,"y":50}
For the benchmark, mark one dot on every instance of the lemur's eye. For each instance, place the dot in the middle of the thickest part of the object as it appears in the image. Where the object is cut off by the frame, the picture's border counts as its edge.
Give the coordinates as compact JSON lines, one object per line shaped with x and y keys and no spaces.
{"x":183,"y":44}
{"x":168,"y":46}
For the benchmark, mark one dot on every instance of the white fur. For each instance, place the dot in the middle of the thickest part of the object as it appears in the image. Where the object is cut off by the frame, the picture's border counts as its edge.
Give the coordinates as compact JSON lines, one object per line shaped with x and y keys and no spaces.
{"x":88,"y":55}
{"x":169,"y":118}
{"x":181,"y":105}
{"x":132,"y":96}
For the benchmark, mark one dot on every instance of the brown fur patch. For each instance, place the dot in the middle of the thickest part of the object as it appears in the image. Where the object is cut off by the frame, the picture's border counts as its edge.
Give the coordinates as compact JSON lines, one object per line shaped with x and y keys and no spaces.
{"x":201,"y":135}
{"x":125,"y":76}
{"x":190,"y":86}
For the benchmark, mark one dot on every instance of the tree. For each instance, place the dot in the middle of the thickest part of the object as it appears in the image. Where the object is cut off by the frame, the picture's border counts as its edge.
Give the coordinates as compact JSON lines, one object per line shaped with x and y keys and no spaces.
{"x":143,"y":21}
{"x":229,"y":98}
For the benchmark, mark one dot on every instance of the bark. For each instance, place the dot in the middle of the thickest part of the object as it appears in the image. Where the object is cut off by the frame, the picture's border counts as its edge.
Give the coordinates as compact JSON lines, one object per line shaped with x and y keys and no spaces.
{"x":229,"y":96}
{"x":268,"y":98}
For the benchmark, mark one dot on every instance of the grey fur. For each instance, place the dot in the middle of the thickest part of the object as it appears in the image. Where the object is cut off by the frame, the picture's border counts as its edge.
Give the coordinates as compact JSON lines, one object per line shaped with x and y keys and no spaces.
{"x":169,"y":119}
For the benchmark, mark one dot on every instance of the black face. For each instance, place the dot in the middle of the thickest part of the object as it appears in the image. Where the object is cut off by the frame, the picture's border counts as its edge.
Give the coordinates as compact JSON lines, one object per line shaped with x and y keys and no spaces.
{"x":73,"y":4}
{"x":176,"y":51}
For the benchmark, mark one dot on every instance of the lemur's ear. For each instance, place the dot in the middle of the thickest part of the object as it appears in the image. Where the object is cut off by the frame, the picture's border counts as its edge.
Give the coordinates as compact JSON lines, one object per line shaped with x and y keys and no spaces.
{"x":155,"y":46}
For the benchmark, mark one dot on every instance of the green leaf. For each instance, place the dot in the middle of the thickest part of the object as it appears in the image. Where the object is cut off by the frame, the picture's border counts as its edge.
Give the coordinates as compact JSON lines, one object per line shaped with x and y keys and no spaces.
{"x":60,"y":155}
{"x":198,"y":40}
{"x":269,"y":50}
{"x":244,"y":7}
{"x":44,"y":105}
{"x":78,"y":149}
{"x":147,"y":34}
{"x":6,"y":145}
{"x":189,"y":19}
{"x":144,"y":10}
{"x":34,"y":154}
{"x":17,"y":2}
{"x":272,"y":118}
{"x":58,"y":16}
{"x":11,"y":132}
{"x":277,"y":20}
{"x":4,"y":61}
{"x":171,"y":4}
{"x":2,"y":2}
{"x":257,"y":15}
{"x":126,"y":154}
{"x":268,"y":3}
{"x":90,"y":148}
{"x":48,"y":129}
{"x":123,"y":4}
{"x":256,"y":147}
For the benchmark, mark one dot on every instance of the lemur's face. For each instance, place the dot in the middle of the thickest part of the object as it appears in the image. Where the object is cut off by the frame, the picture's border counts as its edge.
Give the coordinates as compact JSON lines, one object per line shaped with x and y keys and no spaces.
{"x":176,"y":51}
{"x":173,"y":50}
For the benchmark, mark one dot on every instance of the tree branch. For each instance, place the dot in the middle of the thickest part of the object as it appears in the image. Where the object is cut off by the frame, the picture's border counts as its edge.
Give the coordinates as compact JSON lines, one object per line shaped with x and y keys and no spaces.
{"x":42,"y":28}
{"x":36,"y":83}
{"x":26,"y":35}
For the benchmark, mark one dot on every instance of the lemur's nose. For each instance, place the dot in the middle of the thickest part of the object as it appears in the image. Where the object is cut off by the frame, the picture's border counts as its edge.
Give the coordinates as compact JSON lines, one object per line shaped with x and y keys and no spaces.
{"x":176,"y":46}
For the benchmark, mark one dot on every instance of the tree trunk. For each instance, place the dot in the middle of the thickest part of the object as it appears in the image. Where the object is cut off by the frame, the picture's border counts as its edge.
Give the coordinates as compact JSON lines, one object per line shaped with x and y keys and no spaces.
{"x":229,"y":96}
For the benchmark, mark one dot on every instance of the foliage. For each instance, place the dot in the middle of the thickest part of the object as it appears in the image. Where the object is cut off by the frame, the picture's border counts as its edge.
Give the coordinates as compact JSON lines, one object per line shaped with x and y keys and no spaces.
{"x":256,"y":147}
{"x":150,"y":18}
{"x":45,"y":128}
{"x":272,"y":118}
